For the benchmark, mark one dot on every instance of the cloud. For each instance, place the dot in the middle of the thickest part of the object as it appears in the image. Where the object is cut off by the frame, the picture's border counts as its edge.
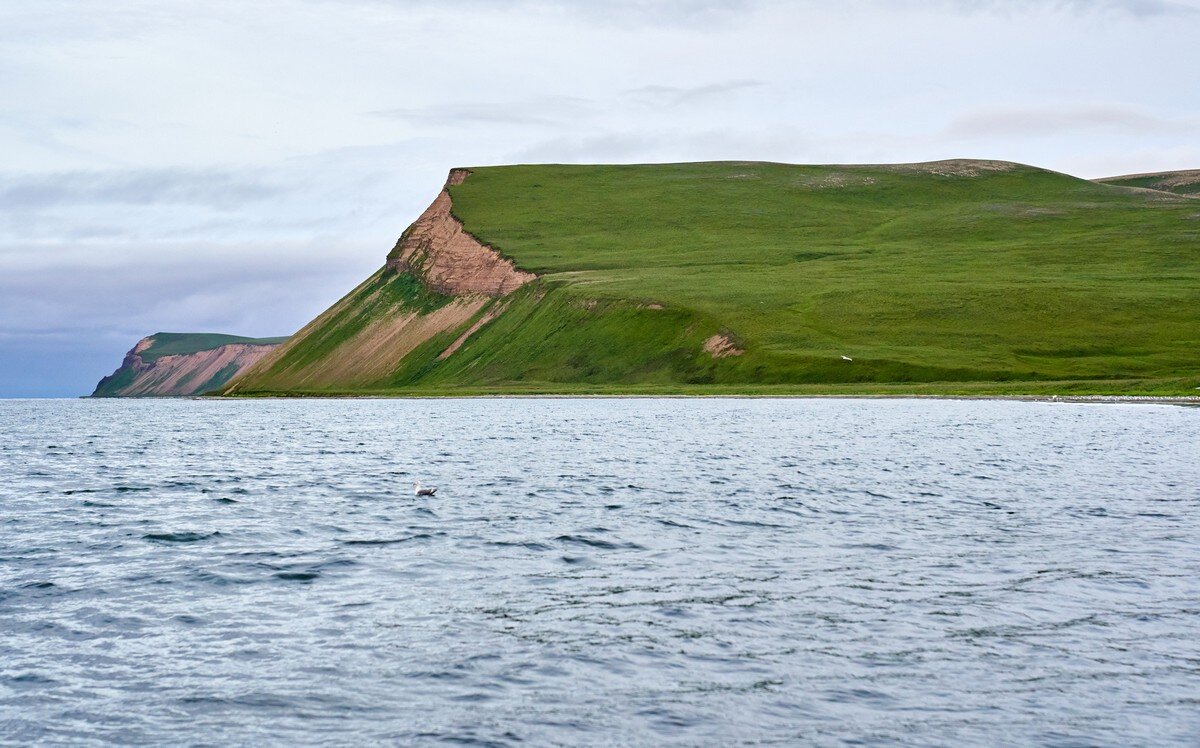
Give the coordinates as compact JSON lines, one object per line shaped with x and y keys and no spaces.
{"x":543,"y":111}
{"x":648,"y":145}
{"x":1139,"y":8}
{"x":627,"y":13}
{"x":702,"y":12}
{"x":1135,"y":8}
{"x":254,"y":290}
{"x":344,"y":192}
{"x":1037,"y":121}
{"x":559,"y":111}
{"x":208,"y":188}
{"x":677,"y":95}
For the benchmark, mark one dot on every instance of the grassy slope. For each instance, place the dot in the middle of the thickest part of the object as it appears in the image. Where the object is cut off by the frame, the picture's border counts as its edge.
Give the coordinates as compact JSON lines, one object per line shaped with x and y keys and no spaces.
{"x":1179,"y":182}
{"x":1020,"y":276}
{"x":384,"y":294}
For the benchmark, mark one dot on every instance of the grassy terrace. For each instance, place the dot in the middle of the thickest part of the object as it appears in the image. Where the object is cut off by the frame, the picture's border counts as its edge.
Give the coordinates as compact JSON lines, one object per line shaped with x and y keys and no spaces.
{"x":952,"y":279}
{"x":183,"y":343}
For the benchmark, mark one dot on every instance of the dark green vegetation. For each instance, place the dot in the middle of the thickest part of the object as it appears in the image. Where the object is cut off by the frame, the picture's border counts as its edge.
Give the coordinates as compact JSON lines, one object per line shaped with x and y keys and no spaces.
{"x":947,"y":278}
{"x":180,"y":343}
{"x":1178,"y":182}
{"x":113,"y":384}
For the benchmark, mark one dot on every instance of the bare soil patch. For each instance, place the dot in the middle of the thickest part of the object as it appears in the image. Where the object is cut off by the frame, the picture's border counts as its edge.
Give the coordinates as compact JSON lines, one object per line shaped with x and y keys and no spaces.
{"x":437,"y":249}
{"x":722,"y":346}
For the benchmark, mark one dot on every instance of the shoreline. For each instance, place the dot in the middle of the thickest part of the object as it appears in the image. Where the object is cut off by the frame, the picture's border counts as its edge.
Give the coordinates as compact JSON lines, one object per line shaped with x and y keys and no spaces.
{"x":1187,"y":400}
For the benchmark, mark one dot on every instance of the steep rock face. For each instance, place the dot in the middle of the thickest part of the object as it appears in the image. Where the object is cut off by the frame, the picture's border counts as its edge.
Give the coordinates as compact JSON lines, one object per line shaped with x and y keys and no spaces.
{"x":439,"y":285}
{"x":143,"y":374}
{"x":449,"y":260}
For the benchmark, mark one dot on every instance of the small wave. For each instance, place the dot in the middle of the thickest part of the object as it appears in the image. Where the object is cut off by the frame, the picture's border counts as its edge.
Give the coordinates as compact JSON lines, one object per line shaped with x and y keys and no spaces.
{"x":222,"y":580}
{"x":389,"y":541}
{"x":179,"y":537}
{"x":298,"y":576}
{"x":531,"y":545}
{"x":597,"y":543}
{"x":669,"y":523}
{"x":30,"y":680}
{"x":871,"y":546}
{"x":752,"y":523}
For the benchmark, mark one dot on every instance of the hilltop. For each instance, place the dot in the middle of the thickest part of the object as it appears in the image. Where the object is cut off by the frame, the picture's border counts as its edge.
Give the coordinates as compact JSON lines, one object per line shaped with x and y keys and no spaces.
{"x":170,"y":364}
{"x":760,"y":277}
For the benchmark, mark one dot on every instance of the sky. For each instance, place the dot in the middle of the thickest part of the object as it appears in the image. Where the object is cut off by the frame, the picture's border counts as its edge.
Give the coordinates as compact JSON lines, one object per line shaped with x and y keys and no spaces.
{"x":237,"y":167}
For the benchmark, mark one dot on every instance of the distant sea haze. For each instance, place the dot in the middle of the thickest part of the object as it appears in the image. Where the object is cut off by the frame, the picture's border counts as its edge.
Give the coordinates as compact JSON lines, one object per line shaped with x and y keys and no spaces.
{"x":598,"y":572}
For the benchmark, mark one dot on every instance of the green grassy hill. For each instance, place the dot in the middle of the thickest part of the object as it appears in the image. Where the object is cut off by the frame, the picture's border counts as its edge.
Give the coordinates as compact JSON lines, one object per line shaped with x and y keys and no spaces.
{"x":948,"y":277}
{"x":1178,"y":182}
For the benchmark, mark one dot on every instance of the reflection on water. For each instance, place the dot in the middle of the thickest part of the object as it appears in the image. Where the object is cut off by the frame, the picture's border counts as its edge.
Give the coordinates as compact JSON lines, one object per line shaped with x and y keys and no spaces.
{"x":599,"y":571}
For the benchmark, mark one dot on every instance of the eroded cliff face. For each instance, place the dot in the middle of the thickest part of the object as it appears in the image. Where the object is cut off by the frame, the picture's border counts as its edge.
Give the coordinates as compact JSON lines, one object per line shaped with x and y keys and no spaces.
{"x":177,"y":375}
{"x":439,"y":282}
{"x":449,"y":260}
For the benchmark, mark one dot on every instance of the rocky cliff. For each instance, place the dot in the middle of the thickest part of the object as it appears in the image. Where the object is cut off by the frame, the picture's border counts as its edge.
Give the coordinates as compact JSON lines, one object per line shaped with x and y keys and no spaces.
{"x":450,"y":261}
{"x":439,"y":286}
{"x":178,"y":364}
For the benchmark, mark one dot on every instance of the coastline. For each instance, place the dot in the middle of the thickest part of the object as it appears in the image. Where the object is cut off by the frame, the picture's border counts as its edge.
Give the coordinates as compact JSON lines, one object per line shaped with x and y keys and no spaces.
{"x":1183,"y":400}
{"x":1172,"y":390}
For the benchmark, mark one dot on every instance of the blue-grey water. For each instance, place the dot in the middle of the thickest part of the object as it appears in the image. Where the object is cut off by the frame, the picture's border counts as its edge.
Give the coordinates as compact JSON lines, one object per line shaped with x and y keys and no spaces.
{"x":599,"y":572}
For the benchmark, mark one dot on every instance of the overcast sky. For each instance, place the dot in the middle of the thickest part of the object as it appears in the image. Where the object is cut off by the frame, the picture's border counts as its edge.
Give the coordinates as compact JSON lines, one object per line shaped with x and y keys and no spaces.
{"x":237,"y":166}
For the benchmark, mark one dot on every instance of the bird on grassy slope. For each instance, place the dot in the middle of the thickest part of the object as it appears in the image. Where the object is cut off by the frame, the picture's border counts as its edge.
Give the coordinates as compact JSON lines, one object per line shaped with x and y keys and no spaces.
{"x":418,"y":491}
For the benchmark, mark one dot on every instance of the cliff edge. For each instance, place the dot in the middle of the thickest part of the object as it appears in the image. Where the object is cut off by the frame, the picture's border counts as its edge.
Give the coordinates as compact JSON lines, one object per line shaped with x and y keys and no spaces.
{"x":439,"y":286}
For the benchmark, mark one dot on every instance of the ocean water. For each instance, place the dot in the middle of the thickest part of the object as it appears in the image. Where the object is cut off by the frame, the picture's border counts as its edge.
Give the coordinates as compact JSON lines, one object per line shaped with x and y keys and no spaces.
{"x":599,"y":572}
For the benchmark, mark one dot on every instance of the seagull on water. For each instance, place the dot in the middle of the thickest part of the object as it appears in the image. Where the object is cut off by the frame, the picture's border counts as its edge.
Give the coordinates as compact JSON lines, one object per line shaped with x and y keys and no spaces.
{"x":847,"y":358}
{"x":418,"y":491}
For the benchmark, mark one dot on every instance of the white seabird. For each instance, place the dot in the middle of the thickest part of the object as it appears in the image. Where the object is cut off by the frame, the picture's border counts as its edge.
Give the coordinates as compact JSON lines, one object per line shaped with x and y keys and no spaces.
{"x":847,"y":358}
{"x":418,"y":491}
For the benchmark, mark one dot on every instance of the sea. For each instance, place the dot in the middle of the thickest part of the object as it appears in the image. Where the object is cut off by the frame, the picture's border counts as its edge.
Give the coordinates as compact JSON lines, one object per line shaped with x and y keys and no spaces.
{"x":608,"y":572}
